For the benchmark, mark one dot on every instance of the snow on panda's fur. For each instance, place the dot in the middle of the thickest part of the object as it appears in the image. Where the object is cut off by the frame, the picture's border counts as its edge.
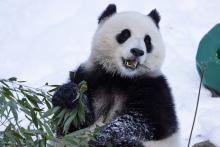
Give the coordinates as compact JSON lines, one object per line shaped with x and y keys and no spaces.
{"x":125,"y":85}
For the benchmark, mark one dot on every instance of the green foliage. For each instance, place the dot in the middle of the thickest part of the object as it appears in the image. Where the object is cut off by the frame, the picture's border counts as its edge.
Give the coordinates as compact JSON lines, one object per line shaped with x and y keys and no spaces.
{"x":27,"y":117}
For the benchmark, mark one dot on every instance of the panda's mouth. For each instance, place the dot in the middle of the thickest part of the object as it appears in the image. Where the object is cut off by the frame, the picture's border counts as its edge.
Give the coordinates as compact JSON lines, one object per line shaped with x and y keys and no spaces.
{"x":130,"y":63}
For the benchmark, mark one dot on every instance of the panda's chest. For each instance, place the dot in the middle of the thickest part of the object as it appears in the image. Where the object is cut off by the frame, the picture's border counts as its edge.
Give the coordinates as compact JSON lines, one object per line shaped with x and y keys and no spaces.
{"x":107,"y":104}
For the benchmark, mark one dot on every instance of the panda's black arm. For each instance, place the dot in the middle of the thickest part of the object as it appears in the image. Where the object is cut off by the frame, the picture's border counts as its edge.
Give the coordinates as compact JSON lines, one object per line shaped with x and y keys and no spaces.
{"x":66,"y":94}
{"x":65,"y":97}
{"x":130,"y":130}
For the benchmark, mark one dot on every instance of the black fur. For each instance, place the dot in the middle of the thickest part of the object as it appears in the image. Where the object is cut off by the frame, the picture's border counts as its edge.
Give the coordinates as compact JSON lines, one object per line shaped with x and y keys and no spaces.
{"x":123,"y":36}
{"x":148,"y":104}
{"x":110,"y":10}
{"x":62,"y":95}
{"x":148,"y":44}
{"x":155,"y":16}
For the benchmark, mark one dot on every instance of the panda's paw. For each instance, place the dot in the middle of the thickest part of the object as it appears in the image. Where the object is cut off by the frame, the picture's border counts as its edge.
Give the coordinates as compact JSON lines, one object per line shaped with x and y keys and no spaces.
{"x":116,"y":143}
{"x":66,"y":95}
{"x":100,"y":140}
{"x":94,"y":143}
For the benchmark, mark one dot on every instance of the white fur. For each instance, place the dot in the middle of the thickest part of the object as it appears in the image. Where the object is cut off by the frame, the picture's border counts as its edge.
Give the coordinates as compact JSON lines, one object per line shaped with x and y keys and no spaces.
{"x":108,"y":52}
{"x":172,"y":141}
{"x":116,"y":107}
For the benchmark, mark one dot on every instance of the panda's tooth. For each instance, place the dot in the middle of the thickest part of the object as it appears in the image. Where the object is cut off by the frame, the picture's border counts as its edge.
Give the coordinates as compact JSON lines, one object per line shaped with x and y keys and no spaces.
{"x":131,"y":63}
{"x":135,"y":63}
{"x":127,"y":63}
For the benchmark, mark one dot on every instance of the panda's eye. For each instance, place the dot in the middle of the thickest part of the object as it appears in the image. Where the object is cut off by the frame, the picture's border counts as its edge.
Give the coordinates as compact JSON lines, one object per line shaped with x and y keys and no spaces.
{"x":147,"y":40}
{"x":123,"y":36}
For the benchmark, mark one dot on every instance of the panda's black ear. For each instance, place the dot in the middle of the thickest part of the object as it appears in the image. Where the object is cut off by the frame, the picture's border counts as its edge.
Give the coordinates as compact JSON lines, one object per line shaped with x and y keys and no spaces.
{"x":155,"y":16}
{"x":110,"y":10}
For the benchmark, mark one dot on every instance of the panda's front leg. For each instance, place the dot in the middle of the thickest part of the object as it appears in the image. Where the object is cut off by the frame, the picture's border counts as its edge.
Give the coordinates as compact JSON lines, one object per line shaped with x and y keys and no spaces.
{"x":127,"y":130}
{"x":66,"y":97}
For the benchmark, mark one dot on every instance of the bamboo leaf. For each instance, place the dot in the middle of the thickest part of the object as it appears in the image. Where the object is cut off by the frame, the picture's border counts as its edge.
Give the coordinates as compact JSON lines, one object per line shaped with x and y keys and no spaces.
{"x":61,"y":114}
{"x":81,"y":113}
{"x":12,"y":79}
{"x":17,"y":134}
{"x":34,"y":118}
{"x":68,"y":122}
{"x":83,"y":87}
{"x":15,"y":114}
{"x":56,"y":110}
{"x":36,"y":105}
{"x":47,"y":113}
{"x":48,"y":129}
{"x":6,"y":92}
{"x":30,"y":98}
{"x":47,"y":103}
{"x":52,"y":90}
{"x":4,"y":83}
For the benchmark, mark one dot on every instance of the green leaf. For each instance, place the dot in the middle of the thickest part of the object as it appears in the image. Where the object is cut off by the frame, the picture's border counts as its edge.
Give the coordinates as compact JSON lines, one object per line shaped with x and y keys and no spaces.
{"x":48,"y":129}
{"x":24,"y":104}
{"x":9,"y":135}
{"x":83,"y":87}
{"x":52,"y":90}
{"x":38,"y":109}
{"x":81,"y":113}
{"x":17,"y":134}
{"x":47,"y":113}
{"x":54,"y":86}
{"x":12,"y":79}
{"x":13,"y":108}
{"x":47,"y":103}
{"x":61,"y":114}
{"x":76,"y":121}
{"x":21,"y":81}
{"x":33,"y":100}
{"x":34,"y":118}
{"x":6,"y":92}
{"x":69,"y":141}
{"x":67,"y":123}
{"x":15,"y":114}
{"x":4,"y":83}
{"x":56,"y":110}
{"x":67,"y":115}
{"x":36,"y":105}
{"x":60,"y":117}
{"x":28,"y":118}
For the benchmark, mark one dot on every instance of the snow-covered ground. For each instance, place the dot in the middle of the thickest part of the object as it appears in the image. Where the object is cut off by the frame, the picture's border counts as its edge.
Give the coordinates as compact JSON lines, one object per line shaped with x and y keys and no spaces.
{"x":40,"y":41}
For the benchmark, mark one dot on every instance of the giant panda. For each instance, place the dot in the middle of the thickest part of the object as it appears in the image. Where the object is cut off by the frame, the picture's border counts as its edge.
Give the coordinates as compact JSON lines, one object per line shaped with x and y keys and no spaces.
{"x":125,"y":84}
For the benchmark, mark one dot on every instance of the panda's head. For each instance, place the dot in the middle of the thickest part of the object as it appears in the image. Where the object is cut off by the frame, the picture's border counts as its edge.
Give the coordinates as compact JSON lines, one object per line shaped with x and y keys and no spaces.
{"x":128,"y":43}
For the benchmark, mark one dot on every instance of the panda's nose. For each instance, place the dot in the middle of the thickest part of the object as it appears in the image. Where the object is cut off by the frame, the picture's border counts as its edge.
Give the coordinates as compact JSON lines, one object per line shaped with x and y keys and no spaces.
{"x":137,"y":52}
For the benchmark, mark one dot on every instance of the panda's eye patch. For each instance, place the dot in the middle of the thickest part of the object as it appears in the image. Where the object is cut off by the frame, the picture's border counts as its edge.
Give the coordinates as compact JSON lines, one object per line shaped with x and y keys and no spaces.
{"x":147,"y":41}
{"x":123,"y":36}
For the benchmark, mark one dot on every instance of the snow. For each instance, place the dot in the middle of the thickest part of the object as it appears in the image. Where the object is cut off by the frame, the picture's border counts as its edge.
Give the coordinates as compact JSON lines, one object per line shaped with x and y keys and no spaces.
{"x":40,"y":41}
{"x":214,"y":134}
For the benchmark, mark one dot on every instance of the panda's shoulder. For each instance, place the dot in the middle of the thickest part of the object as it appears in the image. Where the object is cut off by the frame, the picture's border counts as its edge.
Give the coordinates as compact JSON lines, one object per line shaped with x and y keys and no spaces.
{"x":78,"y":75}
{"x":159,"y":82}
{"x":94,"y":74}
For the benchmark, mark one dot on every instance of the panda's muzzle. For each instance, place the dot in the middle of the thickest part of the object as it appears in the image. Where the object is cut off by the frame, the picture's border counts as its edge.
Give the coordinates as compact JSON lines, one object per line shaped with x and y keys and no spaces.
{"x":133,"y":62}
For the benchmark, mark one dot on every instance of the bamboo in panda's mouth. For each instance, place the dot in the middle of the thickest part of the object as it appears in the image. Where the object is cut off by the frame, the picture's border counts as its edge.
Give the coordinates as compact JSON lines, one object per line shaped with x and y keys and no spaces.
{"x":132,"y":64}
